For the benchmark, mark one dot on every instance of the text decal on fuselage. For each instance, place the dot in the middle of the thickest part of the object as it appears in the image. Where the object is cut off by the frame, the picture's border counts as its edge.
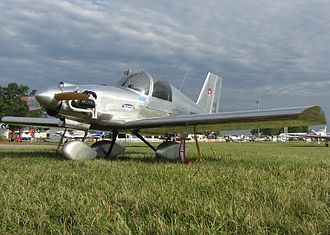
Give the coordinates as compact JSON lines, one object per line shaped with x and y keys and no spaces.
{"x":128,"y":106}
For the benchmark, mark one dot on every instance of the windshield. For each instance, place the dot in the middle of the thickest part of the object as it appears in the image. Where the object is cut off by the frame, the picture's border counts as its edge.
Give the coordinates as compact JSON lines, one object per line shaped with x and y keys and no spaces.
{"x":139,"y":82}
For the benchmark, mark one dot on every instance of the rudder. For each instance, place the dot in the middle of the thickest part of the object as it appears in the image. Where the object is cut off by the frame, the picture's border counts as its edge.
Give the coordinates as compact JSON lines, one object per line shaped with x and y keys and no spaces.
{"x":209,"y":97}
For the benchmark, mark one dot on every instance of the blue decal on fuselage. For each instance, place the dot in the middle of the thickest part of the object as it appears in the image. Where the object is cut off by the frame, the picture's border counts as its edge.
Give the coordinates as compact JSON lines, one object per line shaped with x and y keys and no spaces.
{"x":142,"y":99}
{"x":128,"y":106}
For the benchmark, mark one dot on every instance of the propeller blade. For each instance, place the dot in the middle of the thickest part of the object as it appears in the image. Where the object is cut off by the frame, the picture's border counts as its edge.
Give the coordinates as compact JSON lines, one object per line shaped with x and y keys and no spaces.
{"x":71,"y":96}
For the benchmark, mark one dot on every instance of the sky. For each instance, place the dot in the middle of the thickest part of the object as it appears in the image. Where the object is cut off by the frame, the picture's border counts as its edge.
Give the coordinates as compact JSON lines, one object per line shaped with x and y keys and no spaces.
{"x":275,"y":51}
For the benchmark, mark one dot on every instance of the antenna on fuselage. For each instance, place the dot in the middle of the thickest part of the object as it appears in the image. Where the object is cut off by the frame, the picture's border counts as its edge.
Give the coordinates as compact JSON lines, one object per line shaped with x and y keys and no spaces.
{"x":127,"y":72}
{"x":185,"y":76}
{"x":61,"y":85}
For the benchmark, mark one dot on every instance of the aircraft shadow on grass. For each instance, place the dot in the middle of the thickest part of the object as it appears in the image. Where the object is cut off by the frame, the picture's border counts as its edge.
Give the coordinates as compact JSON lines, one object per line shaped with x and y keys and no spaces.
{"x":141,"y":156}
{"x":129,"y":156}
{"x":23,"y":154}
{"x":305,"y":146}
{"x":135,"y":156}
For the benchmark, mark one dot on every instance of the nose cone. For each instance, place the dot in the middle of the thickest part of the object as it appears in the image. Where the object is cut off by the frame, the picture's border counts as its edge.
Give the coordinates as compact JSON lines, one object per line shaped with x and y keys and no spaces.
{"x":46,"y":98}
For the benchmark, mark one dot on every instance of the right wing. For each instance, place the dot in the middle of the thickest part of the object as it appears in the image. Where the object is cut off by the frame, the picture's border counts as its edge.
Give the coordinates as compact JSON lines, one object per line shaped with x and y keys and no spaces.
{"x":37,"y":122}
{"x":46,"y":122}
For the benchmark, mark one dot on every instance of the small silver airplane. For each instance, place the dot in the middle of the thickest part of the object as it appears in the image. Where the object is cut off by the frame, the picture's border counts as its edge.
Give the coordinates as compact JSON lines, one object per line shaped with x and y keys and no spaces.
{"x":141,"y":103}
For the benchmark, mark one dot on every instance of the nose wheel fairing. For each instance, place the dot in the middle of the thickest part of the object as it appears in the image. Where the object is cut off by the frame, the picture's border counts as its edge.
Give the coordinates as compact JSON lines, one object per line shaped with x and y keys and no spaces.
{"x":78,"y":150}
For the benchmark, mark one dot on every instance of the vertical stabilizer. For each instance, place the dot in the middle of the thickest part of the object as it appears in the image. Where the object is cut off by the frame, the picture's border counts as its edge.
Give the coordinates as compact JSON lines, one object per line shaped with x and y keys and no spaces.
{"x":323,"y":131}
{"x":209,"y":97}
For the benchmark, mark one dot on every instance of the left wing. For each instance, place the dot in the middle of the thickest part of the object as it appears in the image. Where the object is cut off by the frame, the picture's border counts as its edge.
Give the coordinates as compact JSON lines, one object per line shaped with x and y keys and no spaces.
{"x":243,"y":120}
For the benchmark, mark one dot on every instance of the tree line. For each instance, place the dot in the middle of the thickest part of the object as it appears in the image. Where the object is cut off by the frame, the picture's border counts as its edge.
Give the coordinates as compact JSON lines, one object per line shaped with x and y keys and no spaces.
{"x":11,"y":103}
{"x":277,"y":131}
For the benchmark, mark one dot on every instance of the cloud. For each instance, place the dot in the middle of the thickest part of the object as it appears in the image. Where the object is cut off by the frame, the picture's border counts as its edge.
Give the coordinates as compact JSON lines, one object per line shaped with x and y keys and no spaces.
{"x":267,"y":50}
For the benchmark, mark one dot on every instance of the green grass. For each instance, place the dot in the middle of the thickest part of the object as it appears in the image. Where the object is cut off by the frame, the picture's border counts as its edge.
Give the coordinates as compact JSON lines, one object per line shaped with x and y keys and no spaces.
{"x":245,"y":188}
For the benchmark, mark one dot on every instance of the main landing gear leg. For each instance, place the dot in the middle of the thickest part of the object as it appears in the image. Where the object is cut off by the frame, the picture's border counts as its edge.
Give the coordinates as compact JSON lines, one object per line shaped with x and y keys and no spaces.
{"x":113,"y":140}
{"x":61,"y":140}
{"x":144,"y":140}
{"x":326,"y":143}
{"x":182,"y":151}
{"x":85,"y":135}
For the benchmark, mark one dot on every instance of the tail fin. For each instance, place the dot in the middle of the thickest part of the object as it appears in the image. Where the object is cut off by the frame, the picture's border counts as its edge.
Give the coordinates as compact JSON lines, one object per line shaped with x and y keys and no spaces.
{"x":209,"y":97}
{"x":323,"y":131}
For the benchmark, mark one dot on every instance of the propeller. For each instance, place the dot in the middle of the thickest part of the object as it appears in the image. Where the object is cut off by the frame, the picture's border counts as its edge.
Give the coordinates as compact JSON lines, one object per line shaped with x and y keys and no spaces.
{"x":71,"y":96}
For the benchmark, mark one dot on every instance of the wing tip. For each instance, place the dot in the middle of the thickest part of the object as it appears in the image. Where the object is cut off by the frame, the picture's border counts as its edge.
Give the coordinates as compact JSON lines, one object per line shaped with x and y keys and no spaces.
{"x":313,"y":115}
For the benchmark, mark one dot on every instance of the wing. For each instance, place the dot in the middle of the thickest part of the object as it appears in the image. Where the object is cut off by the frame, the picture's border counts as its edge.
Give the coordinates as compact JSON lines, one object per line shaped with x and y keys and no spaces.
{"x":270,"y":118}
{"x":323,"y":137}
{"x":37,"y":122}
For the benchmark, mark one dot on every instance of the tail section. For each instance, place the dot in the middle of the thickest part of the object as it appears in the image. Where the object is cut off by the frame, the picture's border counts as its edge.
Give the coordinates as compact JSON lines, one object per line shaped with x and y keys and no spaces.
{"x":209,"y":97}
{"x":322,"y":131}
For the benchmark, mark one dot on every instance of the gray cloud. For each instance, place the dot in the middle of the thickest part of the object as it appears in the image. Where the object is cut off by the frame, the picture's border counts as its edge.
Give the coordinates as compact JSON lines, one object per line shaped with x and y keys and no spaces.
{"x":277,"y":51}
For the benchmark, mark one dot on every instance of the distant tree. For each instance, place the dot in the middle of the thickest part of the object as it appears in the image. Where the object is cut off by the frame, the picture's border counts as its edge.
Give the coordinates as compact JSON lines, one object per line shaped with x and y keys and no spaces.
{"x":267,"y":131}
{"x":11,"y":103}
{"x":277,"y":131}
{"x":298,"y":129}
{"x":10,"y":100}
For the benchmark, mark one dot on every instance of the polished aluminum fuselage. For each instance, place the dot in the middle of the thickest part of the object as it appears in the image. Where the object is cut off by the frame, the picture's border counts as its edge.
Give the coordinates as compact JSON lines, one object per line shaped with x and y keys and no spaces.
{"x":116,"y":105}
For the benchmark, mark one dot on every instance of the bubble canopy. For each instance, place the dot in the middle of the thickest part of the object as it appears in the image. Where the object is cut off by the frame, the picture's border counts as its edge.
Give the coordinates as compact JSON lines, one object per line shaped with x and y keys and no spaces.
{"x":139,"y":82}
{"x":142,"y":82}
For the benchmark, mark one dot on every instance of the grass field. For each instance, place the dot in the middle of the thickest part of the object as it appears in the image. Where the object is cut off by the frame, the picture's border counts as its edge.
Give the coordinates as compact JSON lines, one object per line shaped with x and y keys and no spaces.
{"x":253,"y":188}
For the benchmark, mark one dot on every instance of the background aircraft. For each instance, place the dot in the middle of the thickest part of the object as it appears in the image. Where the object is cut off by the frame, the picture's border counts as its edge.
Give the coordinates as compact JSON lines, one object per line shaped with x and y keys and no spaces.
{"x":77,"y":134}
{"x":319,"y":135}
{"x":142,"y":103}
